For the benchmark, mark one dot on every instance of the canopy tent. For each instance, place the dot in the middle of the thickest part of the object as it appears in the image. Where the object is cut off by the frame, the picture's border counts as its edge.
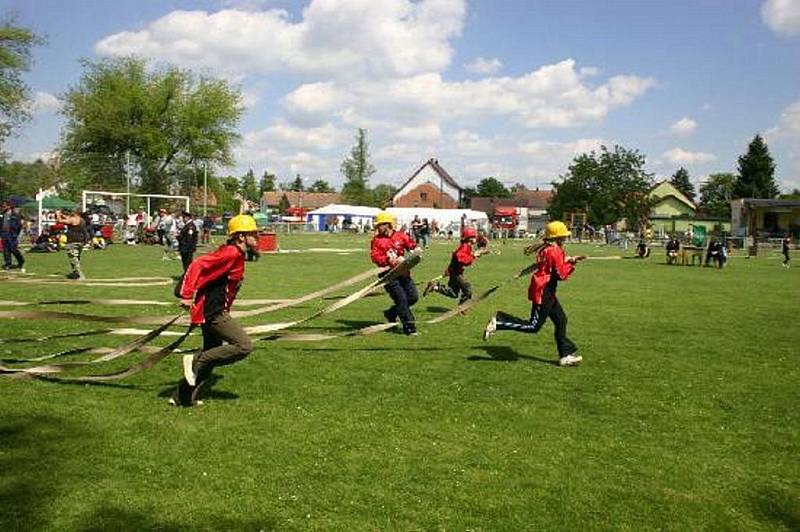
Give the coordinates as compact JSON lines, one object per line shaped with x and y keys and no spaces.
{"x":51,"y":203}
{"x":345,"y":215}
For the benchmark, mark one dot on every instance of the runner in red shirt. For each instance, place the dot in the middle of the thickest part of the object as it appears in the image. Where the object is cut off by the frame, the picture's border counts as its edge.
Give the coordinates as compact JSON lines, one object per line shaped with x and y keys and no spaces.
{"x":552,"y":266}
{"x":209,"y":288}
{"x":387,"y":249}
{"x":462,"y":257}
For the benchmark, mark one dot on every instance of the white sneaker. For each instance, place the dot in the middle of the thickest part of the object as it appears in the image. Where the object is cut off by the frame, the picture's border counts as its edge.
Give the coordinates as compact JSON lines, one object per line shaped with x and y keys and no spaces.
{"x":490,"y":329}
{"x":188,"y":372}
{"x":570,"y":360}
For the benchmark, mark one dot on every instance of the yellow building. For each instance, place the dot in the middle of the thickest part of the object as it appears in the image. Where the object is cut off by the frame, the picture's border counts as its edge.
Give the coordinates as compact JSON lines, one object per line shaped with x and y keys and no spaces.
{"x":673,"y":212}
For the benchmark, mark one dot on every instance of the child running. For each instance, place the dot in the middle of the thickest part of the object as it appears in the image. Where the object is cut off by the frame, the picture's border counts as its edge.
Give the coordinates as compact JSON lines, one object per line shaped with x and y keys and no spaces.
{"x":209,"y":288}
{"x":552,"y":266}
{"x":387,"y":249}
{"x":462,"y":257}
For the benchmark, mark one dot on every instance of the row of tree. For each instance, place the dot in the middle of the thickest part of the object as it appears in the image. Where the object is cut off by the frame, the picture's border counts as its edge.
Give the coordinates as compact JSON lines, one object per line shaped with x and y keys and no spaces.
{"x":610,"y":185}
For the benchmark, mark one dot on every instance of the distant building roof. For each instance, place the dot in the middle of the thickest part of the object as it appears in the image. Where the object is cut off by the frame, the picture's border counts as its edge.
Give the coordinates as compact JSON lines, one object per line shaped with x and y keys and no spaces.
{"x":307,"y":200}
{"x":531,"y":199}
{"x":664,"y":188}
{"x":769,"y":203}
{"x":436,"y":167}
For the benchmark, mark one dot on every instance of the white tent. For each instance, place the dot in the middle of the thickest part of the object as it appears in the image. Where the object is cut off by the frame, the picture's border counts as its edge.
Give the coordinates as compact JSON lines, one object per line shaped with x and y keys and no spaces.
{"x":353,"y":215}
{"x":443,"y":217}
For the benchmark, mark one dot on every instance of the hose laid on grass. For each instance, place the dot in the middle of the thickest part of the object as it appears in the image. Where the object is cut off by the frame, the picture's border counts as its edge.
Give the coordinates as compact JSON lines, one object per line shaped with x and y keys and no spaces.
{"x":114,"y":354}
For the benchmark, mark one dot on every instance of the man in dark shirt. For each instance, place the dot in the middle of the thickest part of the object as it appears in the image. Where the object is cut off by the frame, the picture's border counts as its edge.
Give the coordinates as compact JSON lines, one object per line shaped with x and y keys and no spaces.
{"x":187,"y":239}
{"x":11,"y":227}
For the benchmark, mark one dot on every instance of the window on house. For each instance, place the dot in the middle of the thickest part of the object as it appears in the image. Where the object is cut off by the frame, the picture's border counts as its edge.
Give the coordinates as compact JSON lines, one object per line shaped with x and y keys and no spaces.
{"x":423,"y":196}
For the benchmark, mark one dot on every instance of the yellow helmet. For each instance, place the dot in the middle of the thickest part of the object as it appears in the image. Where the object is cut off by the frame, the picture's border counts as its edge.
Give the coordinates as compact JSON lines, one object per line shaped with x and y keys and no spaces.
{"x":556,"y":230}
{"x":384,"y":217}
{"x":243,"y":223}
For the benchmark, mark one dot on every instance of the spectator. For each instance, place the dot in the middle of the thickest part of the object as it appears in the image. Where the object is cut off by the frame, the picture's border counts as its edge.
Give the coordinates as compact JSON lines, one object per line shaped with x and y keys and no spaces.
{"x":9,"y":233}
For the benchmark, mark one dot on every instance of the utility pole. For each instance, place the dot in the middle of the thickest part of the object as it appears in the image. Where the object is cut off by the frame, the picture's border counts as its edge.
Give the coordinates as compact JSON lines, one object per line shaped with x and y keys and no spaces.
{"x":128,"y":195}
{"x":205,"y":189}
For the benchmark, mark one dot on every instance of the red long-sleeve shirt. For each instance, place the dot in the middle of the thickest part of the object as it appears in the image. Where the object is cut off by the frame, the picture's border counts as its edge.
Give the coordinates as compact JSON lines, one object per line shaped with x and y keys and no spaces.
{"x":550,"y":260}
{"x":382,"y":246}
{"x":213,"y":281}
{"x":460,"y":259}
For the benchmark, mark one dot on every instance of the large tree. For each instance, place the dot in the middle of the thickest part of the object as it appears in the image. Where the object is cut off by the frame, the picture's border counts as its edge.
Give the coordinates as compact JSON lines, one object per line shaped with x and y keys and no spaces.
{"x":608,"y":186}
{"x":356,"y":170}
{"x":680,"y":180}
{"x":493,"y":188}
{"x":716,"y":194}
{"x":162,"y":121}
{"x":756,"y":177}
{"x":15,"y":59}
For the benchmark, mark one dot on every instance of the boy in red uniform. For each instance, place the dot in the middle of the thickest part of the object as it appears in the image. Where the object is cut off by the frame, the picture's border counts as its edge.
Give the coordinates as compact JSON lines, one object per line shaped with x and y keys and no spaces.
{"x":552,"y":265}
{"x":209,"y":288}
{"x":462,"y":257}
{"x":387,"y":249}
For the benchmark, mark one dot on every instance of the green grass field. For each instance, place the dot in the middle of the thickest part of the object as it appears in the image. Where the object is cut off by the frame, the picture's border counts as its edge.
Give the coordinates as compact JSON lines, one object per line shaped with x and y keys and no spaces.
{"x":685,"y":414}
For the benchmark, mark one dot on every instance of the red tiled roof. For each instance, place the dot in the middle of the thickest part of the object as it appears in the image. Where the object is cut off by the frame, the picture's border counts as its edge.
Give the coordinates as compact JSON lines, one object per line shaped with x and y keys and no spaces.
{"x":308,"y":200}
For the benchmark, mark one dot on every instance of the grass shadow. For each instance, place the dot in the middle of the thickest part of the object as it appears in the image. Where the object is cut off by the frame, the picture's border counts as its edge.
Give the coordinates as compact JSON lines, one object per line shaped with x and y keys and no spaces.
{"x":503,"y":353}
{"x":208,"y":393}
{"x":434,"y":308}
{"x":778,"y":507}
{"x":34,"y":449}
{"x":114,"y":518}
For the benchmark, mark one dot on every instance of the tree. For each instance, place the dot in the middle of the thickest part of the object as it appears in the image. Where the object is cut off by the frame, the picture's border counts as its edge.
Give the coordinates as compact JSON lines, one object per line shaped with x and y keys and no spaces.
{"x":15,"y":59}
{"x":466,"y":197}
{"x":680,"y":180}
{"x":249,"y":190}
{"x":518,"y":187}
{"x":356,"y":170}
{"x":25,"y":178}
{"x":493,"y":188}
{"x":320,"y":185}
{"x":756,"y":177}
{"x":266,"y":183}
{"x":381,"y":196}
{"x":166,"y":121}
{"x":297,"y":184}
{"x":608,"y":186}
{"x":716,"y":194}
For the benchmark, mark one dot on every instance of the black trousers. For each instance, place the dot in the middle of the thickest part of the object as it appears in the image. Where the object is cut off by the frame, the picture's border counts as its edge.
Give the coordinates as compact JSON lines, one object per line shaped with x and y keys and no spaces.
{"x":11,"y":247}
{"x":549,"y":308}
{"x":186,"y":258}
{"x":404,"y":294}
{"x":457,"y":284}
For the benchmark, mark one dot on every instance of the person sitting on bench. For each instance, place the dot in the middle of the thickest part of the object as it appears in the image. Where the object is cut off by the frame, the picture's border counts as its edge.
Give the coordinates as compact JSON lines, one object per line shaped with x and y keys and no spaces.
{"x":673,"y":248}
{"x":714,"y":253}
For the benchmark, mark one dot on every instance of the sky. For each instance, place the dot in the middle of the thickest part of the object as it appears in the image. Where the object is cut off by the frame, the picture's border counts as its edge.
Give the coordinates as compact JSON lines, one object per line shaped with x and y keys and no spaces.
{"x":506,"y":88}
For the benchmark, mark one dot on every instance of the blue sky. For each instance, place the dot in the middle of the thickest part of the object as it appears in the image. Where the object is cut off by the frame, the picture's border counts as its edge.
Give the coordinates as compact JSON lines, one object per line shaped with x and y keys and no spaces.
{"x":508,"y":88}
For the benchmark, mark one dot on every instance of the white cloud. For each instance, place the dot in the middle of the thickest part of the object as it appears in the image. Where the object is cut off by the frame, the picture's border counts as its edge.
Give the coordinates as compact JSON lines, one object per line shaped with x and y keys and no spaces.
{"x":30,"y":157}
{"x":782,"y":16}
{"x":341,"y":38}
{"x":551,"y":96}
{"x":484,"y":66}
{"x":684,"y":126}
{"x":44,"y":102}
{"x":683,"y":157}
{"x":788,"y":123}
